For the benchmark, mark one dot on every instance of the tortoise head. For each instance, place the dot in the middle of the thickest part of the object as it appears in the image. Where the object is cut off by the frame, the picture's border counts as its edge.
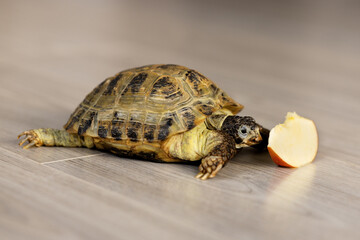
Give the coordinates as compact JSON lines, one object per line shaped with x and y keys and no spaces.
{"x":244,"y":130}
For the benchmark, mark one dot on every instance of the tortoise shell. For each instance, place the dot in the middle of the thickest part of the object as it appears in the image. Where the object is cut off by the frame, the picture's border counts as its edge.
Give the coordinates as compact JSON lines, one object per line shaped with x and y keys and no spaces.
{"x":148,"y":104}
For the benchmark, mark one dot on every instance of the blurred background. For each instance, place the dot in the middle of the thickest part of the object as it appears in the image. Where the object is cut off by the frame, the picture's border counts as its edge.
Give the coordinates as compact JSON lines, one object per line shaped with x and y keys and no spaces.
{"x":261,"y":52}
{"x":248,"y":47}
{"x":271,"y":56}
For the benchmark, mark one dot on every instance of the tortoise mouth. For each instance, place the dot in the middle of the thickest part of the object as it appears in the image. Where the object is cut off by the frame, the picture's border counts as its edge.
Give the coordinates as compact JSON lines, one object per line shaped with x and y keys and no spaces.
{"x":240,"y":146}
{"x":250,"y":142}
{"x":256,"y":140}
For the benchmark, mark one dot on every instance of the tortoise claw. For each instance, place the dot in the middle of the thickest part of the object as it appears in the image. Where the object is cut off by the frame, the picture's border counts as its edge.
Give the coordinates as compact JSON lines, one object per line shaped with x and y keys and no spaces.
{"x":199,"y":175}
{"x":209,"y":167}
{"x":31,"y":137}
{"x":27,"y":146}
{"x":24,"y":140}
{"x":23,"y":134}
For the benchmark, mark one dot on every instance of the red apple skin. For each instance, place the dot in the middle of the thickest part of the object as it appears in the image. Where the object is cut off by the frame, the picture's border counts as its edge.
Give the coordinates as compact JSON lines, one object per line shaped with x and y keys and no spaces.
{"x":277,"y":160}
{"x":280,"y":162}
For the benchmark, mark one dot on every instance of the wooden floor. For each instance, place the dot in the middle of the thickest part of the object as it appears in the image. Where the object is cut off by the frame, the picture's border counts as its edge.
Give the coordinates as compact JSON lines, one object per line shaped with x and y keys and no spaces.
{"x":301,"y":56}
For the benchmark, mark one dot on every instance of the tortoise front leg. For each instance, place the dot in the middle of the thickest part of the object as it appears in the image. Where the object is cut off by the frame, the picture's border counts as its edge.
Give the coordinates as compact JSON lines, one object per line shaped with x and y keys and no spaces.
{"x":214,"y":149}
{"x":220,"y":148}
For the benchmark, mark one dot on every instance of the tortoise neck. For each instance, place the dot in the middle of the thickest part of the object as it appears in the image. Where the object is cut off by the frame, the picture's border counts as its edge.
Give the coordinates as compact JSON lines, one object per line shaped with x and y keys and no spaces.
{"x":216,"y":120}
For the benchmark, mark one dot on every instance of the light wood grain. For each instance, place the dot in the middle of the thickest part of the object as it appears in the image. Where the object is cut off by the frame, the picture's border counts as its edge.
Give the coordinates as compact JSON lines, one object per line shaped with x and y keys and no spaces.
{"x":40,"y":203}
{"x":272,"y":57}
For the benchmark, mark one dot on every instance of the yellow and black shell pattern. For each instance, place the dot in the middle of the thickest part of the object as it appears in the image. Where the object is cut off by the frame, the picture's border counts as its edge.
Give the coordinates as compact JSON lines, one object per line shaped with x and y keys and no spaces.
{"x":146,"y":105}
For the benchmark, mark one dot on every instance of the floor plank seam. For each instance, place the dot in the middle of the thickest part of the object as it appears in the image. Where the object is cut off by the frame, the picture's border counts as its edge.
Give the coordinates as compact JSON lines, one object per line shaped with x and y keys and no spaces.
{"x":68,"y":159}
{"x":133,"y":202}
{"x":16,"y":155}
{"x":44,"y":163}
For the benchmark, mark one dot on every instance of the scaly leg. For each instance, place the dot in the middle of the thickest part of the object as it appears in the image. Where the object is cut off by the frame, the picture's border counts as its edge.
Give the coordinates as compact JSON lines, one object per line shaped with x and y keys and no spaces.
{"x":220,"y":148}
{"x":214,"y":149}
{"x":54,"y":137}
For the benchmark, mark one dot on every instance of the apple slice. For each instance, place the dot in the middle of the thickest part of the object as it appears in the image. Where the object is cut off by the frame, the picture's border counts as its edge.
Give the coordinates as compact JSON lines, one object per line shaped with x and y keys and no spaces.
{"x":293,"y":143}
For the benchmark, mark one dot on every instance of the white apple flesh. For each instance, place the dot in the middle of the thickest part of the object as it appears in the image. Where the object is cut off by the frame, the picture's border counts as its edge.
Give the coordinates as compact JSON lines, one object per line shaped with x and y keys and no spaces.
{"x":293,"y":143}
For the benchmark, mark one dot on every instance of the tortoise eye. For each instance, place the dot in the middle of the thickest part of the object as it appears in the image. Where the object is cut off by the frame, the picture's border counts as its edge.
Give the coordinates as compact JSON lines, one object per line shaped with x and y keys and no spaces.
{"x":243,"y":130}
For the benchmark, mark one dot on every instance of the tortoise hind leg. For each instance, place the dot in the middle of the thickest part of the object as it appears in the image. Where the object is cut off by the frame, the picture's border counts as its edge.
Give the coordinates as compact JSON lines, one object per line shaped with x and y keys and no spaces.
{"x":53,"y":137}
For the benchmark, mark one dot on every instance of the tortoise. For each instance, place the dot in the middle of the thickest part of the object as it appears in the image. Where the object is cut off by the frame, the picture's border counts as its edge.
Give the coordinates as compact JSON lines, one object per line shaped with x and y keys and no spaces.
{"x":162,"y":112}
